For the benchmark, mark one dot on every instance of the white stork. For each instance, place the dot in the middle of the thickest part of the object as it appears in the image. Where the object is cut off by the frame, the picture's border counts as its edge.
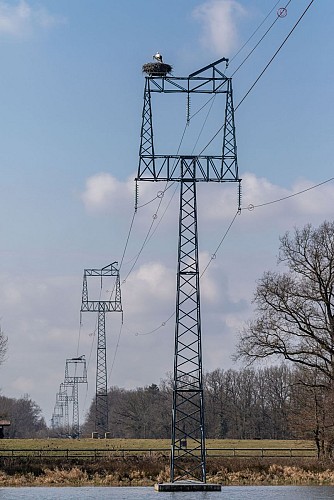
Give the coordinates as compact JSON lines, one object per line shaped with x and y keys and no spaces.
{"x":158,"y":57}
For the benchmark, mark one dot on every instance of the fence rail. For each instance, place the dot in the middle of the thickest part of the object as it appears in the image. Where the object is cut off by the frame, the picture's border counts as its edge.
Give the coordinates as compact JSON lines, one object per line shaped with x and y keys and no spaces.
{"x":123,"y":452}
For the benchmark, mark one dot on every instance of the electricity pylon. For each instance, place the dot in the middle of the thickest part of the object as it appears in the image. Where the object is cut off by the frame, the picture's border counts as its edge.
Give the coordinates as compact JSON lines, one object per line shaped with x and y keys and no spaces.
{"x":113,"y":304}
{"x":75,"y":373}
{"x":57,"y":419}
{"x":64,"y":398}
{"x":188,"y":433}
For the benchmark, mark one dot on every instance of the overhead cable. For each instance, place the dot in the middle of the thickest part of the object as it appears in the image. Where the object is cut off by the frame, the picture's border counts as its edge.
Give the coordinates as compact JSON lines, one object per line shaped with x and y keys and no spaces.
{"x":275,"y":54}
{"x":263,"y":71}
{"x":258,"y":43}
{"x":201,"y":275}
{"x":241,"y":48}
{"x":251,"y":206}
{"x":254,"y":32}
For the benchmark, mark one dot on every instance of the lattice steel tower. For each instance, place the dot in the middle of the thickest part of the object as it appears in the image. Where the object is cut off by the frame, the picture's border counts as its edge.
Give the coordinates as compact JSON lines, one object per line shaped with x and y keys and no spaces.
{"x":75,"y":373}
{"x":63,"y":398}
{"x":102,"y":306}
{"x":188,"y":434}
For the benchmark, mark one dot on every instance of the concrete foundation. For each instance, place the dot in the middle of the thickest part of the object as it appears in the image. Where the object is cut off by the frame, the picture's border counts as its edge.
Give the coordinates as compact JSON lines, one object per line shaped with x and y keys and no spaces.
{"x":187,"y":486}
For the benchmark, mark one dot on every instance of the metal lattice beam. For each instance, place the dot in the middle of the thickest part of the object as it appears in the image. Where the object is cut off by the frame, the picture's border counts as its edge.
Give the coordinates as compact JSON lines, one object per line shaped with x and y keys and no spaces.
{"x":101,"y":400}
{"x":188,"y":441}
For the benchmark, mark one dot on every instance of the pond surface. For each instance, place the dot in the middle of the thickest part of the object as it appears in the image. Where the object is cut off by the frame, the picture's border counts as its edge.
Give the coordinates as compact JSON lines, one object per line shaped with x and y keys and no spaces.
{"x":227,"y":493}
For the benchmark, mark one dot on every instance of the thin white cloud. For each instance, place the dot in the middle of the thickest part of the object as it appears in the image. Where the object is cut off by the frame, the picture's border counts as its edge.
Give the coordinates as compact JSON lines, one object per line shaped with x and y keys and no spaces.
{"x":103,"y":192}
{"x":20,"y":19}
{"x":219,"y":24}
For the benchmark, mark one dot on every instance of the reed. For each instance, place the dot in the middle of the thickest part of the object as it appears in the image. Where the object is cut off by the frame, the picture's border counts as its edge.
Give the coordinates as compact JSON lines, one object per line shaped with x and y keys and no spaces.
{"x":145,"y":471}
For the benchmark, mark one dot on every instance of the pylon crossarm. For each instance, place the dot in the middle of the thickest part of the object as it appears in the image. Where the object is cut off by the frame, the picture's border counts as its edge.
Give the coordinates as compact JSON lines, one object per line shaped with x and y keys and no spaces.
{"x":186,"y":85}
{"x":106,"y":305}
{"x":168,"y":168}
{"x":109,"y":270}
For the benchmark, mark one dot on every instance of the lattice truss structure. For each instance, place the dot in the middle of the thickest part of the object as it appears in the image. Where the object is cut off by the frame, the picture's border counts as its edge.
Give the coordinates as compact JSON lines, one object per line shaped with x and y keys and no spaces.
{"x":188,"y":433}
{"x":67,"y":398}
{"x":104,"y":297}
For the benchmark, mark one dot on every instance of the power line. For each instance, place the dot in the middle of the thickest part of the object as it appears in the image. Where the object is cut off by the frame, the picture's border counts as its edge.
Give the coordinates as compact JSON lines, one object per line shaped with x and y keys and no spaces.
{"x":258,"y":43}
{"x":204,"y":122}
{"x":164,"y":323}
{"x":241,"y":48}
{"x":214,"y":255}
{"x":254,"y":32}
{"x":159,"y":196}
{"x":127,"y":239}
{"x":165,"y":211}
{"x":154,"y":217}
{"x":116,"y":350}
{"x":262,"y":72}
{"x":205,"y":269}
{"x":275,"y":54}
{"x":251,"y":206}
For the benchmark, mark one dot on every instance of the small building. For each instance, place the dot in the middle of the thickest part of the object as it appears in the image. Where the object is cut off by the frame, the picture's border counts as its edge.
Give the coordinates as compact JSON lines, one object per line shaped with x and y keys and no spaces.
{"x":3,"y":423}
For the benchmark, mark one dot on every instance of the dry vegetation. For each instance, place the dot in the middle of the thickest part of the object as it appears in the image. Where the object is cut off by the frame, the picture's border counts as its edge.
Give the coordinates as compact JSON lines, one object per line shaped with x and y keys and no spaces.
{"x":135,"y":471}
{"x":139,"y":470}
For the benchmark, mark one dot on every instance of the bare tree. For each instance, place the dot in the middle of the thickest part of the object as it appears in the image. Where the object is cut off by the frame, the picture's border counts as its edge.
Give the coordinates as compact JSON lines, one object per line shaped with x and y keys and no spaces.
{"x":25,"y":416}
{"x":295,"y":308}
{"x":295,"y":321}
{"x":3,"y":346}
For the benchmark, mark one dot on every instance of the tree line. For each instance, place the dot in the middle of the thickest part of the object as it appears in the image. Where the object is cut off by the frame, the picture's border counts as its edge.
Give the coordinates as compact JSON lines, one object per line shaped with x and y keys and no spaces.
{"x":26,"y":420}
{"x":274,"y":402}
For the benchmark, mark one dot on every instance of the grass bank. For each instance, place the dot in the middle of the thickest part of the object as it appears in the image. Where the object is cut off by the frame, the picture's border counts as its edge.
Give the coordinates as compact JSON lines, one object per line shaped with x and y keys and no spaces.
{"x":139,"y":444}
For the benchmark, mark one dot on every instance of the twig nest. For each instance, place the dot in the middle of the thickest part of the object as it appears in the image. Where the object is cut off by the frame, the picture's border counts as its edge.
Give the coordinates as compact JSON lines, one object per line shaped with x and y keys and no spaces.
{"x":157,"y":69}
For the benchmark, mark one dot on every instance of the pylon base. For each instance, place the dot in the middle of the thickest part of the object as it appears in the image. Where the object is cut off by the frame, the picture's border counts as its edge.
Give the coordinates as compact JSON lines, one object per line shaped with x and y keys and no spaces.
{"x":187,"y":486}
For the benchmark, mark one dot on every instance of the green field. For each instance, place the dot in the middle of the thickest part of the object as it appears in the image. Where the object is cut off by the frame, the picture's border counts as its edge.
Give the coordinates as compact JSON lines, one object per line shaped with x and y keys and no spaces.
{"x":146,"y":444}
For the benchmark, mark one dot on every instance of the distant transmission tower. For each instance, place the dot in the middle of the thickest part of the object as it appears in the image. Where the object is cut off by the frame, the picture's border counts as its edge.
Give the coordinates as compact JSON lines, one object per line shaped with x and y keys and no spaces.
{"x":75,"y":373}
{"x":57,"y":420}
{"x":188,"y":434}
{"x":64,"y":399}
{"x":102,"y":306}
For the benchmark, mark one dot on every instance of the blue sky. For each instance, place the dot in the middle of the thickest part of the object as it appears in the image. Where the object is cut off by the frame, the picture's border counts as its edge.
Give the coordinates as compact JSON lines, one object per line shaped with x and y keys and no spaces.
{"x":71,"y":95}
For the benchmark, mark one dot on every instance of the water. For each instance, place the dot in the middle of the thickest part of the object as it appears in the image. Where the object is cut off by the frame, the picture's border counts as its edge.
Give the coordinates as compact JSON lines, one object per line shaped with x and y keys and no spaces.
{"x":227,"y":493}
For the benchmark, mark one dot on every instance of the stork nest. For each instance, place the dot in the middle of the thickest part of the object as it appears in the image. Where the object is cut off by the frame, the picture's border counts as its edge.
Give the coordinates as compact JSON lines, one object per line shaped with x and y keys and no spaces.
{"x":157,"y":69}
